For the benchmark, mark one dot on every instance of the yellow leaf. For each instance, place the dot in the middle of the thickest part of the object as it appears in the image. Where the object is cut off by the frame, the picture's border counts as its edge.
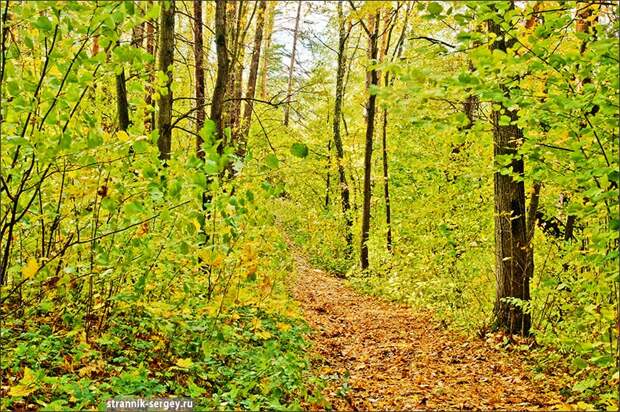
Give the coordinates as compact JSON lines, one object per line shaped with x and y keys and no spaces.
{"x":561,"y":407}
{"x":217,"y":261}
{"x":122,"y":136}
{"x":31,"y":268}
{"x":21,"y":390}
{"x":86,"y":370}
{"x":583,"y":406}
{"x":263,"y":334}
{"x":29,"y":377}
{"x":284,"y":327}
{"x":252,"y":268}
{"x":55,"y":72}
{"x":184,"y":363}
{"x":612,"y":405}
{"x":26,"y":384}
{"x":211,"y":258}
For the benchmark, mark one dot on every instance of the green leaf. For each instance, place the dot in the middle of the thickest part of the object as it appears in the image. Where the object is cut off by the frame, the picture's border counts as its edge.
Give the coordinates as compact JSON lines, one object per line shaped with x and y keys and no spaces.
{"x":65,"y":140}
{"x":584,"y":385}
{"x":133,"y":208}
{"x":43,"y":23}
{"x":299,"y":150}
{"x":94,"y":139}
{"x":129,"y":7}
{"x":579,"y":363}
{"x":434,"y":8}
{"x":603,"y":361}
{"x":208,"y":130}
{"x":29,"y":43}
{"x":504,"y":120}
{"x":272,"y":161}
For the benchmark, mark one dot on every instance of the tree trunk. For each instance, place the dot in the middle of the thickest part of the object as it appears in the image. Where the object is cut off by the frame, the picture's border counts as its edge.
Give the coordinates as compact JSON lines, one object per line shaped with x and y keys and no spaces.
{"x":373,"y":80}
{"x":137,"y":40}
{"x":328,"y":173}
{"x":583,"y":25}
{"x":291,"y":68}
{"x":149,"y":115}
{"x":236,"y":71}
{"x":398,"y":49}
{"x":221,"y":79}
{"x":166,"y":54}
{"x":231,"y":44}
{"x":122,"y":104}
{"x":513,"y":264}
{"x":121,"y":101}
{"x":344,"y":186}
{"x":469,"y":107}
{"x":251,"y":89}
{"x":200,"y":77}
{"x":531,"y":211}
{"x":267,"y":35}
{"x":137,"y":35}
{"x":386,"y":183}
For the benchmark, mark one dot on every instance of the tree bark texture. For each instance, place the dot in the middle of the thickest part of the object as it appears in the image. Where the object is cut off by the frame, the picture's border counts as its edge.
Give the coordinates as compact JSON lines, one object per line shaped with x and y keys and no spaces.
{"x":166,"y":55}
{"x":342,"y":178}
{"x":514,"y":265}
{"x":200,"y":77}
{"x":373,"y":81}
{"x":221,"y":79}
{"x":291,"y":68}
{"x":252,"y":77}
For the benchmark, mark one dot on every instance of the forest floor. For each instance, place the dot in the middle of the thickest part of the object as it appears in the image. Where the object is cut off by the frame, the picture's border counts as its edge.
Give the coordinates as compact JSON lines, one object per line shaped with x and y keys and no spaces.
{"x":382,"y":355}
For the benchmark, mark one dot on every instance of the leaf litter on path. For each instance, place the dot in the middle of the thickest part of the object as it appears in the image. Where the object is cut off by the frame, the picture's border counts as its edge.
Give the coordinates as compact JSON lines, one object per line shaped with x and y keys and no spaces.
{"x":380,"y":355}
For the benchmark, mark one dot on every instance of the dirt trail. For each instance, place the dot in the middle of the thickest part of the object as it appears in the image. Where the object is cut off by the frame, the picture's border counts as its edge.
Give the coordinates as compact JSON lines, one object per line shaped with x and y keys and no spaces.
{"x":396,"y":359}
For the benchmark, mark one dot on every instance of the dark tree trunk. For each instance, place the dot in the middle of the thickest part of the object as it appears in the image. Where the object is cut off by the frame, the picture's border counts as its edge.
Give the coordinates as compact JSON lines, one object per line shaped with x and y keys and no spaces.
{"x":373,"y":80}
{"x":137,"y":40}
{"x":200,"y":77}
{"x":289,"y":90}
{"x":469,"y":107}
{"x":221,"y":79}
{"x":398,"y":49}
{"x":328,"y":173}
{"x":344,"y":186}
{"x":388,"y":22}
{"x":251,"y":89}
{"x":122,"y":105}
{"x":514,"y":265}
{"x":166,"y":54}
{"x":149,"y":115}
{"x":386,"y":183}
{"x":531,"y":211}
{"x":583,"y":25}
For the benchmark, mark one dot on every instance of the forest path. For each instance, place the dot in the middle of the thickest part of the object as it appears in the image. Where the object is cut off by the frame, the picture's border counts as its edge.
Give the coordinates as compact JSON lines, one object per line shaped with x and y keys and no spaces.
{"x":398,"y":359}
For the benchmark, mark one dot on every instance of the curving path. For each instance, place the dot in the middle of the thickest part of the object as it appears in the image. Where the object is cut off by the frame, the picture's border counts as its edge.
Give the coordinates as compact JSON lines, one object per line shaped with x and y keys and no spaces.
{"x":379,"y":355}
